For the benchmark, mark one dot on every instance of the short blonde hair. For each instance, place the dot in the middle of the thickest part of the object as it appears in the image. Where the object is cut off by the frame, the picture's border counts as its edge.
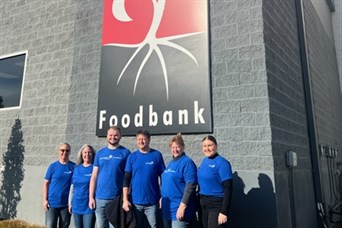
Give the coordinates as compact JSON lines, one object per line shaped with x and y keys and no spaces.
{"x":178,"y":139}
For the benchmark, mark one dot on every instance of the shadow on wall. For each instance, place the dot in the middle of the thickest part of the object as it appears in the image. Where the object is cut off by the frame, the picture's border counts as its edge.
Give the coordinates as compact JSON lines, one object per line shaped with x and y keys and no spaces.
{"x":256,"y":208}
{"x":12,"y":173}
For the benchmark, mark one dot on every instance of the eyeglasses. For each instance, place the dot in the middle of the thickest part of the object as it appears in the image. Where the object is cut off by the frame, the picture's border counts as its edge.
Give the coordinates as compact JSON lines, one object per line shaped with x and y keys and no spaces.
{"x":64,"y":150}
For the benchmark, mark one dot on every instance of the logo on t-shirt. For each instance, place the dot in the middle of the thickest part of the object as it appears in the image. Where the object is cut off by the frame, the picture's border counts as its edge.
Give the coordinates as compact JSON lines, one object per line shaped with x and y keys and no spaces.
{"x":110,"y":157}
{"x":149,"y":163}
{"x":67,"y":172}
{"x":211,"y":166}
{"x":169,"y":171}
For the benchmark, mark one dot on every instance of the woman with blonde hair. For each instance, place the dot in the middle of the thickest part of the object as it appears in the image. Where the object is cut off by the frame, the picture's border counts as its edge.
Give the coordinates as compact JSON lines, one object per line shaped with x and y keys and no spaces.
{"x":179,"y":182}
{"x":84,"y":217}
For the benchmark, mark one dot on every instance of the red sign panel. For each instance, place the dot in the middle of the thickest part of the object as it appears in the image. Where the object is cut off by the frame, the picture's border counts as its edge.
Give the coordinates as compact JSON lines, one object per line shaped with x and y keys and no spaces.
{"x":129,"y":21}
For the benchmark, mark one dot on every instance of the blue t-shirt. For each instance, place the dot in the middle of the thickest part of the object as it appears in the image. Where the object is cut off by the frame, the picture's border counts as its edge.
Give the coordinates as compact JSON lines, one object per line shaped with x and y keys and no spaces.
{"x":59,"y":177}
{"x":175,"y":177}
{"x":145,"y":169}
{"x":80,"y":181}
{"x":111,"y":164}
{"x":211,"y":173}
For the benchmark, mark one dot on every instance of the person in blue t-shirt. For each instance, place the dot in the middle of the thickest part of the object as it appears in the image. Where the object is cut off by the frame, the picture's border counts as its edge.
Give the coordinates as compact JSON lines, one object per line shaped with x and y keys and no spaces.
{"x":179,"y":182}
{"x":215,"y":180}
{"x":142,"y":173}
{"x":84,"y":217}
{"x":56,"y":188}
{"x":107,"y":177}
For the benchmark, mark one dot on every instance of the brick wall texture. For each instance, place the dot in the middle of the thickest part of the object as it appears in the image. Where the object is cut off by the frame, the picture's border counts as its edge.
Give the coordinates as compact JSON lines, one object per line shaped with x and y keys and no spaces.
{"x":257,"y":94}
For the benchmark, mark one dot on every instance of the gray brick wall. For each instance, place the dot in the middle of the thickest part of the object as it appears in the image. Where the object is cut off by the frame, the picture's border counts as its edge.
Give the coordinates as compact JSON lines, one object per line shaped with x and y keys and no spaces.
{"x":63,"y":40}
{"x":288,"y":112}
{"x":327,"y":100}
{"x":287,"y":105}
{"x":239,"y":82}
{"x":337,"y":24}
{"x":258,"y":104}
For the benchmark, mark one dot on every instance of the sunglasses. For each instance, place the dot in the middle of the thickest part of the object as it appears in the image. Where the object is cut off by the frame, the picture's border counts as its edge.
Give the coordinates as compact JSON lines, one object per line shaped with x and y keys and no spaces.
{"x":64,"y":150}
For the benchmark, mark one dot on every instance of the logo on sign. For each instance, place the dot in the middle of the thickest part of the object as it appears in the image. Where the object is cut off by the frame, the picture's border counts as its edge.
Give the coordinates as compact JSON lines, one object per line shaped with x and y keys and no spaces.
{"x":154,"y":61}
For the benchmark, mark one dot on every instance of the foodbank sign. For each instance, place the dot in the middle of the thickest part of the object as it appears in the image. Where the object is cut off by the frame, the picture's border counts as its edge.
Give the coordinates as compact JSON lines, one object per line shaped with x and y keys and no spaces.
{"x":155,"y":67}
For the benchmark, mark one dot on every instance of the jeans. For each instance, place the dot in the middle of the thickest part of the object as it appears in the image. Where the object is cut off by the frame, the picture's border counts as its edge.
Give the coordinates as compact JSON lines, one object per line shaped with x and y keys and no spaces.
{"x":146,"y":215}
{"x":60,"y":215}
{"x":100,"y":212}
{"x":211,"y":207}
{"x":176,"y":224}
{"x":84,"y":221}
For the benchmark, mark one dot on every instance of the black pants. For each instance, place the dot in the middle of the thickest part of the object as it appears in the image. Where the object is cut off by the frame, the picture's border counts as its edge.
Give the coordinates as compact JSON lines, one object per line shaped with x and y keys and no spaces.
{"x":210,"y":209}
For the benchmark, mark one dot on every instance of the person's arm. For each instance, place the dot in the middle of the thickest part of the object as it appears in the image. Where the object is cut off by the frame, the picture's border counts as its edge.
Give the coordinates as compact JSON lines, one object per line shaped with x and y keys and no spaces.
{"x":125,"y":191}
{"x":71,"y":194}
{"x":189,"y":190}
{"x":228,"y":189}
{"x":92,"y":187}
{"x":162,"y":167}
{"x":46,"y":184}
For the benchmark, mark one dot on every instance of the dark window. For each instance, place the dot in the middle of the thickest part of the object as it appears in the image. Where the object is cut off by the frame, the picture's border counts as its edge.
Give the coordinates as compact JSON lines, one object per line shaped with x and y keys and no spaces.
{"x":11,"y":80}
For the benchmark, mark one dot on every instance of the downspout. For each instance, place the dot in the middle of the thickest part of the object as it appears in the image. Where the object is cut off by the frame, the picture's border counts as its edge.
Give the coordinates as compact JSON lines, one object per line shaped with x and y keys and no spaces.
{"x":313,"y":145}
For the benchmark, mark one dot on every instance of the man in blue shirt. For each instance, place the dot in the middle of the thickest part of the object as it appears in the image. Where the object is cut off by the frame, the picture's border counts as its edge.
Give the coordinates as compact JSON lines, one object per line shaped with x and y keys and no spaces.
{"x":56,"y":188}
{"x":142,"y":172}
{"x":107,"y":177}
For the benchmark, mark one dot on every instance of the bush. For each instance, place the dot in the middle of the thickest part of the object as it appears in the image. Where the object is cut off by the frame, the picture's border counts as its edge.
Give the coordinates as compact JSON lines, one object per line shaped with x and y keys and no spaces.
{"x":17,"y":224}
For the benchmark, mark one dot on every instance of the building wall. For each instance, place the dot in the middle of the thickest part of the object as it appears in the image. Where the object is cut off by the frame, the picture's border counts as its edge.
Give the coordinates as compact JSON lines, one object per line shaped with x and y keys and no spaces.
{"x":337,"y":24}
{"x":241,"y":107}
{"x":324,"y":14}
{"x":327,"y":101}
{"x":258,"y":109}
{"x":288,"y":115}
{"x":63,"y":41}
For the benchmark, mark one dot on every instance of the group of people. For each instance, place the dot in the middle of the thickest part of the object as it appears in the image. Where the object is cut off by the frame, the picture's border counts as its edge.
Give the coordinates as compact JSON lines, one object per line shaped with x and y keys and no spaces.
{"x":185,"y":195}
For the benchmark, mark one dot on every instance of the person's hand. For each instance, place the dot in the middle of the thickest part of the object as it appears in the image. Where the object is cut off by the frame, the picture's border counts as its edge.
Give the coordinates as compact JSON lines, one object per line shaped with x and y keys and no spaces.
{"x":92,"y":203}
{"x":70,"y":208}
{"x":180,"y":212}
{"x":46,"y":205}
{"x":222,"y":219}
{"x":126,"y":205}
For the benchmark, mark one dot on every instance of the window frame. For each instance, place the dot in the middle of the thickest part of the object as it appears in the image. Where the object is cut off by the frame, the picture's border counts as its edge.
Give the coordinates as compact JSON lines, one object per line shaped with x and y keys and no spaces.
{"x":14,"y":54}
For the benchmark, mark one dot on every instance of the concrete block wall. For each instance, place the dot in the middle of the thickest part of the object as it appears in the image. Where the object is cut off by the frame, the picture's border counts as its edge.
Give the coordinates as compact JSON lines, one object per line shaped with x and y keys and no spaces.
{"x":241,"y":108}
{"x":337,"y":24}
{"x":55,"y":34}
{"x":287,"y":106}
{"x":258,"y":109}
{"x":84,"y":76}
{"x":325,"y":81}
{"x":239,"y":83}
{"x":288,"y":115}
{"x":327,"y":101}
